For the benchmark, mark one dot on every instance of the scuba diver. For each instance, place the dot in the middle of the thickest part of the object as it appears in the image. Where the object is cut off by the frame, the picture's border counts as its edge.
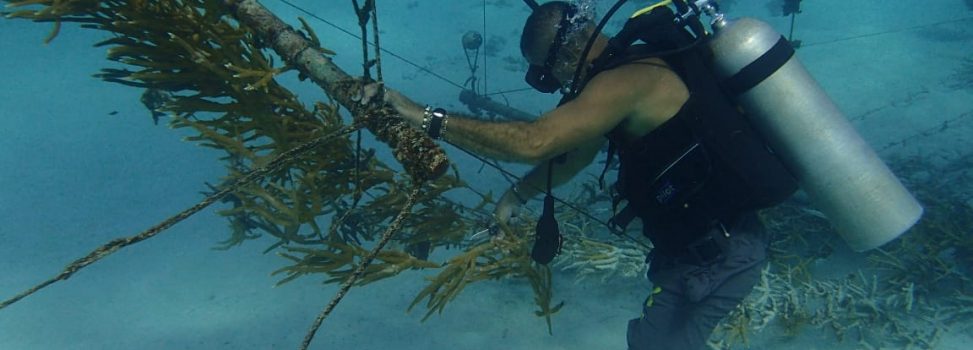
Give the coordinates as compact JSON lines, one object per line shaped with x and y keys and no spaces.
{"x":692,"y":167}
{"x":707,"y":255}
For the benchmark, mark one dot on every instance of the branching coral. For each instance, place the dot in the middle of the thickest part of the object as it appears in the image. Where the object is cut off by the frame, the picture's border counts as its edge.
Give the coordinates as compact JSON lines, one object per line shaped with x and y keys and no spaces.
{"x":505,"y":256}
{"x":337,"y":258}
{"x":590,"y":249}
{"x":588,"y":258}
{"x":911,"y":292}
{"x":209,"y":65}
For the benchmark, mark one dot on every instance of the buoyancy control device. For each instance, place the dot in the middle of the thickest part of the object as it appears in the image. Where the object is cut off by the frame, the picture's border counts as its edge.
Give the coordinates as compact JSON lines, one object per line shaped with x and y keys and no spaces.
{"x":759,"y":71}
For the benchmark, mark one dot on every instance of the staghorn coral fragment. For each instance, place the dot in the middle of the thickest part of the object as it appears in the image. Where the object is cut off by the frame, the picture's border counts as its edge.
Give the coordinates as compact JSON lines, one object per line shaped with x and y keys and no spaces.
{"x":221,"y":85}
{"x":336,"y":258}
{"x":589,"y":257}
{"x":494,"y":259}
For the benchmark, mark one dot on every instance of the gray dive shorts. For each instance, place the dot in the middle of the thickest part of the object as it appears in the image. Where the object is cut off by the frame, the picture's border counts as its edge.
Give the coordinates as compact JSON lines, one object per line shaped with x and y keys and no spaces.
{"x":688,"y":300}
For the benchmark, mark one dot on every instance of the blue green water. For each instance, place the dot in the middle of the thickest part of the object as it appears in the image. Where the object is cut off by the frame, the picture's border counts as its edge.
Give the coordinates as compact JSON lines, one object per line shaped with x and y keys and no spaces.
{"x":81,"y":162}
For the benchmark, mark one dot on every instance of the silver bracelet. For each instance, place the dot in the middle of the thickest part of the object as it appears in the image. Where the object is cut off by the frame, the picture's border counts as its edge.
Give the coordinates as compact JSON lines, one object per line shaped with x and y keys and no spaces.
{"x":434,"y":122}
{"x":426,"y":117}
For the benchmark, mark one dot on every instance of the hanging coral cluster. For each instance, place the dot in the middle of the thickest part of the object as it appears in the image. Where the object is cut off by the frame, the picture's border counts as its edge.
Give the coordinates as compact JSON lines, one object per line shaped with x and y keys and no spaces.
{"x":206,"y":64}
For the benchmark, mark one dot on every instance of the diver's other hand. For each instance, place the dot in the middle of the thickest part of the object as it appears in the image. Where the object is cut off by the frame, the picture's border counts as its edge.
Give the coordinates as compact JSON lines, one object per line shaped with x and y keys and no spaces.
{"x":369,"y":93}
{"x":409,"y":110}
{"x":508,"y":207}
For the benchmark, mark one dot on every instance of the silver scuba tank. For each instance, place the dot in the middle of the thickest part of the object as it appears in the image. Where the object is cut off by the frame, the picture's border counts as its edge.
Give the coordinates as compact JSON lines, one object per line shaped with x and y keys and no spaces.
{"x":843,"y":176}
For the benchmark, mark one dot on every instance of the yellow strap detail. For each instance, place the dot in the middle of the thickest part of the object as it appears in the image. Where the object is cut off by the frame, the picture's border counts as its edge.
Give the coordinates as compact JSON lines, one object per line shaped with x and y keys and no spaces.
{"x":651,"y":299}
{"x":650,"y":8}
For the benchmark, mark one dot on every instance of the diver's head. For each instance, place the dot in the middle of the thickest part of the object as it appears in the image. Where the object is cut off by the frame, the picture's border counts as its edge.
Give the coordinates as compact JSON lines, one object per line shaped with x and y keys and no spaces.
{"x":553,"y":40}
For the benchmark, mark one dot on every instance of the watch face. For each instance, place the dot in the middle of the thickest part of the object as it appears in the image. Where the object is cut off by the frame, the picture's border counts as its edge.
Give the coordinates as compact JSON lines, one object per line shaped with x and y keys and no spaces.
{"x":439,"y":113}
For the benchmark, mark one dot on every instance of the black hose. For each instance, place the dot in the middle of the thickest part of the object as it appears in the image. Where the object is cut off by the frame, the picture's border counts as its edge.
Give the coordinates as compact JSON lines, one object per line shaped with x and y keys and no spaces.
{"x":575,"y":80}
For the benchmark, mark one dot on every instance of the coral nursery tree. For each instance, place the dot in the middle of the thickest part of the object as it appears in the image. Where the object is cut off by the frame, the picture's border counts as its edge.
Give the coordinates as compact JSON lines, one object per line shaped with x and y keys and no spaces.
{"x":297,"y":174}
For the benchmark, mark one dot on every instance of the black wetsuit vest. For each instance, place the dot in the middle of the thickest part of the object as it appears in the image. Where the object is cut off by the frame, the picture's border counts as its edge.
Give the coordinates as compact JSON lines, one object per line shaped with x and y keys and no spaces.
{"x":704,"y":166}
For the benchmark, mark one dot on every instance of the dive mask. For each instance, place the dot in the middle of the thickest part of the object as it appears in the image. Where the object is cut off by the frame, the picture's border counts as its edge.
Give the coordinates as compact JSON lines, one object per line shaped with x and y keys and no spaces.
{"x":542,"y":78}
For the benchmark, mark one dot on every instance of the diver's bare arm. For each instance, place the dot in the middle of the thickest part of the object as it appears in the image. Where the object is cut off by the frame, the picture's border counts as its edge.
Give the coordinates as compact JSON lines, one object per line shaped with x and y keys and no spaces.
{"x":570,"y":126}
{"x":600,"y":108}
{"x":505,"y":141}
{"x":508,"y":141}
{"x":604,"y":104}
{"x":535,"y":182}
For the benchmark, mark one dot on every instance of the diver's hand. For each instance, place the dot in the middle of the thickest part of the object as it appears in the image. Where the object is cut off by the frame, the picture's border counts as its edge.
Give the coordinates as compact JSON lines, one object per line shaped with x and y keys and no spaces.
{"x":408,"y":109}
{"x":508,"y":207}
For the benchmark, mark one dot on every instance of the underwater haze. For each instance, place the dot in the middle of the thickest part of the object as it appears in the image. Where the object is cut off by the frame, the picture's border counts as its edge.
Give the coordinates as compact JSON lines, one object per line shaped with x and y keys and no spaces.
{"x":82,"y":162}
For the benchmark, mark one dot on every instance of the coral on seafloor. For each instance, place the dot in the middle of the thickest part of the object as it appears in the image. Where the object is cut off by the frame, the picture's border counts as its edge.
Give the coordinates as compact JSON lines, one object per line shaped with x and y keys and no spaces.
{"x":910,"y":292}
